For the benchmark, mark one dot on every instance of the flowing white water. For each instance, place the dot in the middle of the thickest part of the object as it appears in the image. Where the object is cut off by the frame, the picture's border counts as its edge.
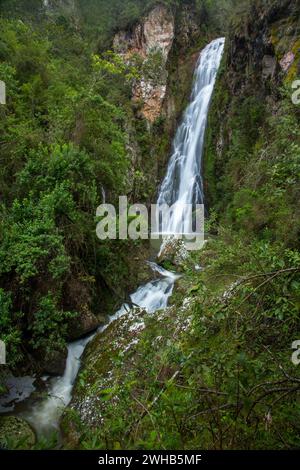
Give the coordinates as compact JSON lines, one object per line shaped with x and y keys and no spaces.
{"x":154,"y":295}
{"x":182,"y":184}
{"x":44,"y":416}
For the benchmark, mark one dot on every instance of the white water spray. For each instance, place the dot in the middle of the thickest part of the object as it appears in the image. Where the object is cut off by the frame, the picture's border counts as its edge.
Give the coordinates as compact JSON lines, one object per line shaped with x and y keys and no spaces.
{"x":45,"y":416}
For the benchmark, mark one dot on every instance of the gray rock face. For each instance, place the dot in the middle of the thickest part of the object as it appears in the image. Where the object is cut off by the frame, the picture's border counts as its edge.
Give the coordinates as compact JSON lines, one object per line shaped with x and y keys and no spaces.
{"x":54,"y":363}
{"x":287,"y":61}
{"x":269,"y":66}
{"x":154,"y":35}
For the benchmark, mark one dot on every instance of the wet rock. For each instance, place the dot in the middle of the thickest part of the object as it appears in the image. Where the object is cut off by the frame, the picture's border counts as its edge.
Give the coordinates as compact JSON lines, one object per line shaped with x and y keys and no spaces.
{"x":16,"y":433}
{"x":16,"y":390}
{"x":269,"y":65}
{"x":54,"y":362}
{"x":173,"y":251}
{"x":109,"y":360}
{"x":78,"y":297}
{"x":102,"y":354}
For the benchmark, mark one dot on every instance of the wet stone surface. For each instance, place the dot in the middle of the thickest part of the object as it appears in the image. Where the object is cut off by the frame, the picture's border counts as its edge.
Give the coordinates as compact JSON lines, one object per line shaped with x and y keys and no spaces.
{"x":18,"y":390}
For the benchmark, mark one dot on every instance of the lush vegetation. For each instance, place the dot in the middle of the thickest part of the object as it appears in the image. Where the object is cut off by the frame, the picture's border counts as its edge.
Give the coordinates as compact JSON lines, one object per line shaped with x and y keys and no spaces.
{"x":214,"y":370}
{"x":69,"y":132}
{"x":63,"y":142}
{"x":221,"y":375}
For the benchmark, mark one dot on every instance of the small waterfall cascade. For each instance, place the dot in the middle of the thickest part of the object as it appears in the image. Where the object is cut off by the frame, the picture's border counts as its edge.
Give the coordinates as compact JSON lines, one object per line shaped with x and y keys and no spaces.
{"x":45,"y":415}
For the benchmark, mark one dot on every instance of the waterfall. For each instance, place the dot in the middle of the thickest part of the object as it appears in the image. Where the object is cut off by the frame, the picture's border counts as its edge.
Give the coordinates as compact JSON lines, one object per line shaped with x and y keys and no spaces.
{"x":182,"y":184}
{"x":45,"y":415}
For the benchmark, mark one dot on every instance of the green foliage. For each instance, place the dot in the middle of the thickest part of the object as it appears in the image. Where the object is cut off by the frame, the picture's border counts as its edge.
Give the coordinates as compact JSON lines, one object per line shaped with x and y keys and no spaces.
{"x":114,"y":64}
{"x":9,"y":327}
{"x":49,"y":327}
{"x":154,"y":67}
{"x":220,"y":376}
{"x":266,"y":190}
{"x":62,"y":140}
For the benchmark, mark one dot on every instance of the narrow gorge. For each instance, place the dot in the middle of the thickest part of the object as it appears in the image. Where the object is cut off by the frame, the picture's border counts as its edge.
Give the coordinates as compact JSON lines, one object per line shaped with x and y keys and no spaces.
{"x":120,"y":344}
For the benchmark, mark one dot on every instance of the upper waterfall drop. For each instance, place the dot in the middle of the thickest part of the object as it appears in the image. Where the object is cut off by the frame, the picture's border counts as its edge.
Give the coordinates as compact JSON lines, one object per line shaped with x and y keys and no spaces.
{"x":183,"y":182}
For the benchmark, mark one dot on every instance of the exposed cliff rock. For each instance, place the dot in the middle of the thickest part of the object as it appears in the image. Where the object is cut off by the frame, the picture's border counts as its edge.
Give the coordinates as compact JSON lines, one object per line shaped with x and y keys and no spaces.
{"x":260,"y":57}
{"x":266,"y":46}
{"x":151,"y":40}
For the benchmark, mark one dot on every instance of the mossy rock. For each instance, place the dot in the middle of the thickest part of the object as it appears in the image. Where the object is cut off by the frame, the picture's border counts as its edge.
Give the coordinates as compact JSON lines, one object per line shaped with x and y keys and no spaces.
{"x":16,"y":433}
{"x":99,"y":374}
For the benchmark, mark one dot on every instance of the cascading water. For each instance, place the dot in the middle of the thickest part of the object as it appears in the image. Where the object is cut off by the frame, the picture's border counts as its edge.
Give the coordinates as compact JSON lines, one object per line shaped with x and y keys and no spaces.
{"x":44,"y":416}
{"x":182,"y":185}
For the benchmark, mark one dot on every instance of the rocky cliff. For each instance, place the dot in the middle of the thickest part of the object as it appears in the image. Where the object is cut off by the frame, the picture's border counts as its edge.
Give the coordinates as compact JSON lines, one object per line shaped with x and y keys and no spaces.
{"x":260,"y":57}
{"x":68,"y":6}
{"x":151,"y":40}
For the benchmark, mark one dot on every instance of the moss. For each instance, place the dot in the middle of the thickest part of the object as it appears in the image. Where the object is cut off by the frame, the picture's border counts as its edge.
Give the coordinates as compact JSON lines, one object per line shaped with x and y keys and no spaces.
{"x":214,"y":134}
{"x":293,"y":71}
{"x":282,"y":35}
{"x":210,"y":339}
{"x":16,"y":433}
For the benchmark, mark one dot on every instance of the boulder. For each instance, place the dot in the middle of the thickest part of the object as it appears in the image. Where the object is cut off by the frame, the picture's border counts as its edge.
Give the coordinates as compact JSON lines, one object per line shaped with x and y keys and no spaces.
{"x":14,"y":390}
{"x":287,"y":60}
{"x":173,"y":251}
{"x":117,"y":343}
{"x":154,"y":34}
{"x":82,"y":325}
{"x":54,"y":363}
{"x":16,"y":433}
